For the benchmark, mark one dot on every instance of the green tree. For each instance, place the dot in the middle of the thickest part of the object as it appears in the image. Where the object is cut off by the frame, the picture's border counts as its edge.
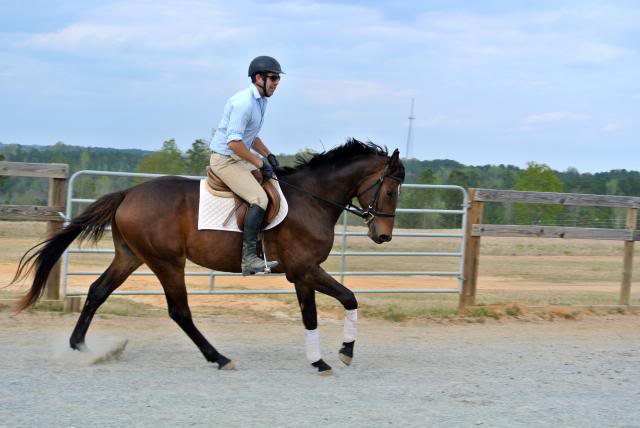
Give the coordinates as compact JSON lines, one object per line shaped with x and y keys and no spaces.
{"x":2,"y":179}
{"x":540,"y":178}
{"x":418,"y":198}
{"x":452,"y":199}
{"x":59,"y":153}
{"x":198,"y":158}
{"x":167,"y":160}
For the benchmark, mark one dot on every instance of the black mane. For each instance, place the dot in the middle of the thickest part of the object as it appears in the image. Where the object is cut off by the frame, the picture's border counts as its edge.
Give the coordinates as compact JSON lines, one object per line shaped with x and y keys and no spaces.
{"x":344,"y":153}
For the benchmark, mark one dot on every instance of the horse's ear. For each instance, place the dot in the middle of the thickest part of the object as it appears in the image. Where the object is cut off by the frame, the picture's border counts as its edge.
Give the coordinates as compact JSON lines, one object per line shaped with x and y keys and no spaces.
{"x":395,"y":156}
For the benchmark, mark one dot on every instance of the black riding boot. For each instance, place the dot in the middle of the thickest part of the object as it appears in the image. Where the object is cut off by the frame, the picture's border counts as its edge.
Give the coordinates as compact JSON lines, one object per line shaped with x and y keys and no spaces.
{"x":251,"y":263}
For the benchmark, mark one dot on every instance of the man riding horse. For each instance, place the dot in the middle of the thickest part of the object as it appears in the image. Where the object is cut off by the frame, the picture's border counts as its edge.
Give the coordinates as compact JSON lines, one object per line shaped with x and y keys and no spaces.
{"x":317,"y":190}
{"x":232,"y":160}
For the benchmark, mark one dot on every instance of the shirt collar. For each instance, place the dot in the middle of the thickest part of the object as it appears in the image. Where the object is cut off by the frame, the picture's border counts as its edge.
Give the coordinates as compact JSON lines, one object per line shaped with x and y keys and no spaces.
{"x":255,"y":92}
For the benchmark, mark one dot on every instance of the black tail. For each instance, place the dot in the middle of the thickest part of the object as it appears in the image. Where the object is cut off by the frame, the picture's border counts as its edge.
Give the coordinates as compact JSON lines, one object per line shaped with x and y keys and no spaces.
{"x":91,"y":224}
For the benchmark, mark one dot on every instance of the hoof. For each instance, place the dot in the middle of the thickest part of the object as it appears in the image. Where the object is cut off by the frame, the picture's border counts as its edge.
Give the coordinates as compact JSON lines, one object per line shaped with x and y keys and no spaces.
{"x":225,"y":364}
{"x":324,"y":369}
{"x":228,"y":366}
{"x":80,"y":347}
{"x":346,"y":353}
{"x":345,"y":359}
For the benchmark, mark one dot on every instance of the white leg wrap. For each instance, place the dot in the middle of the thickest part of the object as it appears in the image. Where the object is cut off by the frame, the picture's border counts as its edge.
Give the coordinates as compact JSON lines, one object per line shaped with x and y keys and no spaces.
{"x":350,"y":325}
{"x":312,"y":345}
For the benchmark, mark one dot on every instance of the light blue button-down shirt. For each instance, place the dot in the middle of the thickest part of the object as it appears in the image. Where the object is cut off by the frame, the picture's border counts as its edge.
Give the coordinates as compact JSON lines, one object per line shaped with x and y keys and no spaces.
{"x":242,"y":119}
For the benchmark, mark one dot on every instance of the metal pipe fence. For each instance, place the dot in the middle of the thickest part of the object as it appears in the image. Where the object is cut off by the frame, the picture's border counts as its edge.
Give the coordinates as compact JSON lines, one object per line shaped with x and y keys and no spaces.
{"x":343,"y":251}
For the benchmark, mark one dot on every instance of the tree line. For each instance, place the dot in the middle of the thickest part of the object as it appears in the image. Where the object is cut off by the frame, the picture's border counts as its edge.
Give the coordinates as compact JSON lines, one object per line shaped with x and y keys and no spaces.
{"x":169,"y":159}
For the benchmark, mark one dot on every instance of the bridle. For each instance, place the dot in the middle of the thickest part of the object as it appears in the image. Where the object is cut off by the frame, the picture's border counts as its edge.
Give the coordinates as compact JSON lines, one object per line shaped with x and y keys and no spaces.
{"x":371,"y":212}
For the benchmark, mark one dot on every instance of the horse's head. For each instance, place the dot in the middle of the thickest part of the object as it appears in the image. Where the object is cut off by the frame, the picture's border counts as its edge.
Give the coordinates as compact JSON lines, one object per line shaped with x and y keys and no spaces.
{"x":379,"y":198}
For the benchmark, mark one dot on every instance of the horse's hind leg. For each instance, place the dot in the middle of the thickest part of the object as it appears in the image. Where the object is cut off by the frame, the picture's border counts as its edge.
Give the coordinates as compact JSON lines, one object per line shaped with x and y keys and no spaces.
{"x":123,"y":264}
{"x":172,"y":279}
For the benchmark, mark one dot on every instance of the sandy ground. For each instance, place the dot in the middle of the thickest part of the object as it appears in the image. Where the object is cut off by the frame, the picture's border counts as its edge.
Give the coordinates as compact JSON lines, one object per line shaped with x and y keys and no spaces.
{"x":497,"y":374}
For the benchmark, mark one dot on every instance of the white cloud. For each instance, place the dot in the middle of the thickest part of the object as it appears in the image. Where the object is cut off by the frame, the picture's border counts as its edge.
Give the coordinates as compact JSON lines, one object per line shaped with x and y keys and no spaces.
{"x":611,"y":127}
{"x":84,"y":34}
{"x":555,"y":116}
{"x":595,"y":53}
{"x":155,"y":26}
{"x":437,"y":121}
{"x":339,"y":91}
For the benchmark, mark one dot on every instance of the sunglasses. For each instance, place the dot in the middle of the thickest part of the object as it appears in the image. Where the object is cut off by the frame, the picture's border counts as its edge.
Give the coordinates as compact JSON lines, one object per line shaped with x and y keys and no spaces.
{"x":273,"y":77}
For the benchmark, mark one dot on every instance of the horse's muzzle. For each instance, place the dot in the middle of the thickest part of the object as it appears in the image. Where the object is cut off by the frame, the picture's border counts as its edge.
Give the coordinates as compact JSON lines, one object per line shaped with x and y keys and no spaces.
{"x":383,"y":238}
{"x":373,"y":234}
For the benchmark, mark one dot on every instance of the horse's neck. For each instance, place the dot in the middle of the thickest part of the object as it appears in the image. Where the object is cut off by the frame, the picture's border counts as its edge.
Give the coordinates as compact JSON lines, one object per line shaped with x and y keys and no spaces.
{"x":337,"y":184}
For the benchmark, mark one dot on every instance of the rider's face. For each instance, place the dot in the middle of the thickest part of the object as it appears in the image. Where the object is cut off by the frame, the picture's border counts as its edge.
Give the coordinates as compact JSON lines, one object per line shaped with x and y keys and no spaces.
{"x":272,"y":80}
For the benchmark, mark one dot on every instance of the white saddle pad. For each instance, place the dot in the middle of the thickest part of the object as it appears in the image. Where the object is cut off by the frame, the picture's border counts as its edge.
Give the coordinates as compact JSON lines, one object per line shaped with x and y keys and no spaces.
{"x":214,"y":210}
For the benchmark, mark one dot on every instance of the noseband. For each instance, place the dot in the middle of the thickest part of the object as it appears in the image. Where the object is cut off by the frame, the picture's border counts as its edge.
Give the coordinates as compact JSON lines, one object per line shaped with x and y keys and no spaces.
{"x":370,"y":213}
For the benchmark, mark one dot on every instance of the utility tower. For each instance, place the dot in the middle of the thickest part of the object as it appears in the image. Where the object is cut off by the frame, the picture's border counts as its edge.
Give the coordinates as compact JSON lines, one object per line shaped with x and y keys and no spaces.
{"x":410,"y":133}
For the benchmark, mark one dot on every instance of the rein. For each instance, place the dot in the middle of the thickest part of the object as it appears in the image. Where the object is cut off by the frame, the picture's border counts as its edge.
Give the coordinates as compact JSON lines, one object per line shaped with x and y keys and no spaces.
{"x":369,"y":214}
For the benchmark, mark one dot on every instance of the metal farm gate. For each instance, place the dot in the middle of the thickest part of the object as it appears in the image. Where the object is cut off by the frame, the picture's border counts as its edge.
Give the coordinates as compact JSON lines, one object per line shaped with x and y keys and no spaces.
{"x":343,"y":252}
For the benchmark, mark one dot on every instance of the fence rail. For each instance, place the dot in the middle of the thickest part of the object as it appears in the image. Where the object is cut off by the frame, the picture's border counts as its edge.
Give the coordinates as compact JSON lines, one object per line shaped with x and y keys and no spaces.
{"x":569,"y":199}
{"x":554,"y":232}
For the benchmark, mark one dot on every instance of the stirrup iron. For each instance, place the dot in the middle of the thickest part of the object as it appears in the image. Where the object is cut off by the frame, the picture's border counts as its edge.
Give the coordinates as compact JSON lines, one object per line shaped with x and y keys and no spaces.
{"x":267,"y":268}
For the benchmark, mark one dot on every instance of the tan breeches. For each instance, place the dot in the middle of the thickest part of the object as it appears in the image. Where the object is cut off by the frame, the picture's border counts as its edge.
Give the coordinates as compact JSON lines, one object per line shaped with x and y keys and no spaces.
{"x":236,"y":173}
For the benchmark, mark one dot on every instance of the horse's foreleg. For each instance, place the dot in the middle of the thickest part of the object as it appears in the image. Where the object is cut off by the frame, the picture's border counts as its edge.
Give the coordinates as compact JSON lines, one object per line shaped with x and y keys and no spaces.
{"x":123,"y":264}
{"x":307,"y":300}
{"x":172,"y":280}
{"x":325,"y":284}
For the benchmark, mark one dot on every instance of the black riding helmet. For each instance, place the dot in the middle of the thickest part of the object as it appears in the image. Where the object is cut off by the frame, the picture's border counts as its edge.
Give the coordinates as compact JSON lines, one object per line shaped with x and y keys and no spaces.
{"x":262,"y":65}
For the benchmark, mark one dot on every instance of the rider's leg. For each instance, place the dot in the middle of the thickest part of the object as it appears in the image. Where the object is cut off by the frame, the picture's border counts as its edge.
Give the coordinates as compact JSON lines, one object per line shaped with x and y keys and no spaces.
{"x":237,"y":175}
{"x":251,"y":263}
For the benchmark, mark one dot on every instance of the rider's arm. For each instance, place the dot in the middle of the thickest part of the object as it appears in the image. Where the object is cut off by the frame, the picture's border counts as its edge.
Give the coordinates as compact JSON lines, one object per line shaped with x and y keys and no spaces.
{"x":244,"y":153}
{"x":259,"y":147}
{"x":238,"y":119}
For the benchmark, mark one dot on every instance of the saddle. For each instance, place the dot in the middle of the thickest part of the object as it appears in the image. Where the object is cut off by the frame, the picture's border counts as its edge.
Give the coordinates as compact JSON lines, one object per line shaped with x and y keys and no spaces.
{"x":216,"y":187}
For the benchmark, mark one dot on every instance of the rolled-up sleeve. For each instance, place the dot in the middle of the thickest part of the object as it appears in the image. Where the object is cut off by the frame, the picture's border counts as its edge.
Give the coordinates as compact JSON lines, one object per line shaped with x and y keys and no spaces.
{"x":238,"y":119}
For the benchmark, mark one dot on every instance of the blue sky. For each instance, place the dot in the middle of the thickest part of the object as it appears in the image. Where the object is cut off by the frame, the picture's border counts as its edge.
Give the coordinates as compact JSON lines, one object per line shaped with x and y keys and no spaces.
{"x":494,"y":82}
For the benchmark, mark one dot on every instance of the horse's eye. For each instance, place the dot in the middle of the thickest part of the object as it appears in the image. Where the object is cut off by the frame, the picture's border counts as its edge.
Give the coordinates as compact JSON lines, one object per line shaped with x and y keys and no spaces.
{"x":390,"y":193}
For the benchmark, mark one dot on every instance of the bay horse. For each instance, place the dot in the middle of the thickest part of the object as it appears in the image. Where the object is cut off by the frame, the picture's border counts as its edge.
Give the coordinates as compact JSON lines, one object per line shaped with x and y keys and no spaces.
{"x":155,"y":223}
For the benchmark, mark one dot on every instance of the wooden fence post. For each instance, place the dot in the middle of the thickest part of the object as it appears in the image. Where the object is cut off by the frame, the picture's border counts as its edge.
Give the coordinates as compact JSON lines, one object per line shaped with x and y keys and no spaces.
{"x":471,"y":252}
{"x":57,"y":198}
{"x":627,"y":270}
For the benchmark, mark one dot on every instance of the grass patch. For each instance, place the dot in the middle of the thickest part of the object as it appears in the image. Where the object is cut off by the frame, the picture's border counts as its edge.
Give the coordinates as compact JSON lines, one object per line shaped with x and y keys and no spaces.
{"x":395,"y":313}
{"x":128,"y":308}
{"x":513,"y":311}
{"x":113,"y":306}
{"x":484,"y":312}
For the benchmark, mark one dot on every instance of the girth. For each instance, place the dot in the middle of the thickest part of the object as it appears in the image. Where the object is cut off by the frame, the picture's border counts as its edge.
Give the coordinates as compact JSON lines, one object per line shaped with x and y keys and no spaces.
{"x":218,"y":188}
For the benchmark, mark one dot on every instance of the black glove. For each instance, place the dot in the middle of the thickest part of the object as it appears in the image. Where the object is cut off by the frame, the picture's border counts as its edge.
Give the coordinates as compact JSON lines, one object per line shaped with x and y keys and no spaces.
{"x":266,"y":170}
{"x":273,"y":161}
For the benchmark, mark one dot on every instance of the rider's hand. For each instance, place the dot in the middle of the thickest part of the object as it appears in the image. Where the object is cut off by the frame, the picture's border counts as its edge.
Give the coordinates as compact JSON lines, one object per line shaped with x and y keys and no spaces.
{"x":266,"y":170}
{"x":273,"y":161}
